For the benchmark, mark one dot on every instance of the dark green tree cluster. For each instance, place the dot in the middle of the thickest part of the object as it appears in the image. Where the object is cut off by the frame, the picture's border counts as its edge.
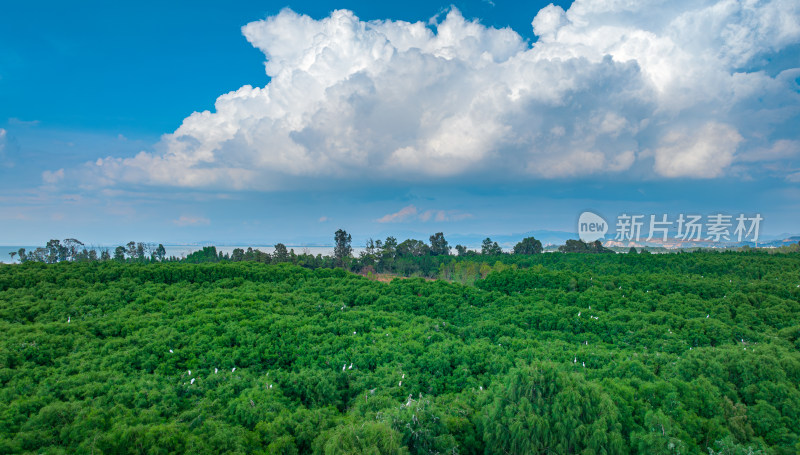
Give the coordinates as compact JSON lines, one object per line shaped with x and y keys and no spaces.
{"x":549,"y":353}
{"x":528,"y":245}
{"x":579,"y":246}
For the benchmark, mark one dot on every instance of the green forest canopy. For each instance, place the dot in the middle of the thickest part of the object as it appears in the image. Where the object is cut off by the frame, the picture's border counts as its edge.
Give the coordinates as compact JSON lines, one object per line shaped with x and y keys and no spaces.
{"x":564,"y":353}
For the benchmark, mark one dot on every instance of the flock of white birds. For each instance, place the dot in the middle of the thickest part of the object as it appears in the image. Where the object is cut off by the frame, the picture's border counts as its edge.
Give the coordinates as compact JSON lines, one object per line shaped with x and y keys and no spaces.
{"x":400,"y":384}
{"x":344,"y":368}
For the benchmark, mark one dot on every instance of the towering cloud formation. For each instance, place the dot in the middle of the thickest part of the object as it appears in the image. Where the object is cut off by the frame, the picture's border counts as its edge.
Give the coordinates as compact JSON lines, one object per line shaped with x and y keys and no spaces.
{"x":679,"y":89}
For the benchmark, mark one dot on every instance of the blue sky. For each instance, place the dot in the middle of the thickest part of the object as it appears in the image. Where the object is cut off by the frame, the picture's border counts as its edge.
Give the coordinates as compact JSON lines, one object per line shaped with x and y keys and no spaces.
{"x":159,"y":122}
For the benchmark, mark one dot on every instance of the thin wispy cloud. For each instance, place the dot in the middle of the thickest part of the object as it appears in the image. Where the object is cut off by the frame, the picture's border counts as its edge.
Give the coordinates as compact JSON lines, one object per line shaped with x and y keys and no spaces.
{"x":18,"y":122}
{"x":191,"y":221}
{"x":444,"y":215}
{"x":3,"y":141}
{"x":404,"y":214}
{"x":52,"y":177}
{"x":411,"y":213}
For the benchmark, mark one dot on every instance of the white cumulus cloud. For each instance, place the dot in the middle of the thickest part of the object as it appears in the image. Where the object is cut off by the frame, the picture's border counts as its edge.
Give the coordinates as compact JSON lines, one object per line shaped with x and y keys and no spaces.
{"x":675,"y":88}
{"x":704,"y":152}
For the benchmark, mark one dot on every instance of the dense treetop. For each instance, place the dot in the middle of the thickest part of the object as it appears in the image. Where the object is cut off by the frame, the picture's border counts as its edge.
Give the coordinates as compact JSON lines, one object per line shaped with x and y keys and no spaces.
{"x":566,"y":353}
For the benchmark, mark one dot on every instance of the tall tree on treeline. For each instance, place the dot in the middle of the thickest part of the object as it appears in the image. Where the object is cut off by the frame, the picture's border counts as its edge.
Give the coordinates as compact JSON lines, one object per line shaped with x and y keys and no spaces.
{"x":72,"y":248}
{"x":461,"y":250}
{"x":131,"y":249}
{"x":490,"y":248}
{"x":237,"y":255}
{"x":389,"y":248}
{"x":439,"y":246}
{"x":119,"y":254}
{"x":342,"y":250}
{"x":55,"y":251}
{"x":281,"y":254}
{"x":386,"y":252}
{"x":369,"y":247}
{"x":528,"y":245}
{"x":368,"y":256}
{"x":141,"y":251}
{"x":160,"y":253}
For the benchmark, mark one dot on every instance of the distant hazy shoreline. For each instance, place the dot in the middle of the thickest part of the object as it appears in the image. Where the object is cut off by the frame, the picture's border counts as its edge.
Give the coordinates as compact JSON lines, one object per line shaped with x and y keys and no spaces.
{"x":180,"y":251}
